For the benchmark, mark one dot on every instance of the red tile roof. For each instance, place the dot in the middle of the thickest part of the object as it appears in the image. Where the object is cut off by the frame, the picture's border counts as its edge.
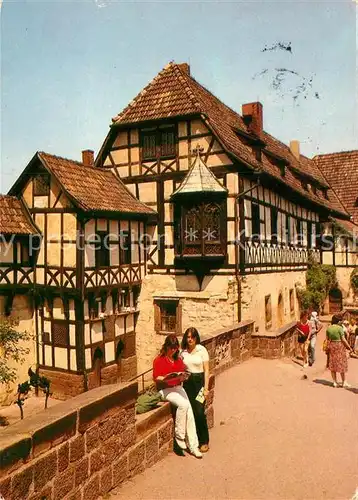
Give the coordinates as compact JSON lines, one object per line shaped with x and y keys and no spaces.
{"x":14,"y":218}
{"x":173,"y":92}
{"x":93,"y":189}
{"x":341,"y":171}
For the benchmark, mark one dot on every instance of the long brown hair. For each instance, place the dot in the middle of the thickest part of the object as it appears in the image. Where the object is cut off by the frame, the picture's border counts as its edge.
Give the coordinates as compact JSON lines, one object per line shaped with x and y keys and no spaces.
{"x":194,"y":333}
{"x":170,"y":342}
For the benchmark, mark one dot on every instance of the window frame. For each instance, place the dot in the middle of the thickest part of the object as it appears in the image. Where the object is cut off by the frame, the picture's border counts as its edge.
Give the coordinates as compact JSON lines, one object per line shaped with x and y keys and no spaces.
{"x":125,"y":248}
{"x":102,"y":254}
{"x":158,"y":133}
{"x":158,"y":315}
{"x":255,"y":221}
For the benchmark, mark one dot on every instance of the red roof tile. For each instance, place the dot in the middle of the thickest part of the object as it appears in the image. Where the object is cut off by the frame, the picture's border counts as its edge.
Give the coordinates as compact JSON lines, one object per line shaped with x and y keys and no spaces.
{"x":341,"y":171}
{"x":173,"y":92}
{"x":13,"y":217}
{"x":93,"y":189}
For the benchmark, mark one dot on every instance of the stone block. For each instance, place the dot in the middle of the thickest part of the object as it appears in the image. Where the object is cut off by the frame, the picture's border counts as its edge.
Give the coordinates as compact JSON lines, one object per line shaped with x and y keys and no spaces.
{"x":112,"y":449}
{"x":81,"y":471}
{"x":44,"y":470}
{"x":91,"y":489}
{"x":54,"y":433}
{"x":92,"y":438}
{"x":96,"y":461}
{"x":165,"y":433}
{"x":210,"y":416}
{"x":45,"y":494}
{"x":109,"y":374}
{"x":129,"y":345}
{"x":63,"y":484}
{"x":77,"y":448}
{"x":106,"y":481}
{"x":210,"y":398}
{"x":94,"y":412}
{"x":130,"y":415}
{"x":211,"y":382}
{"x":128,"y":437}
{"x":107,"y":428}
{"x":120,"y":471}
{"x":136,"y":456}
{"x":151,"y":446}
{"x":63,"y":457}
{"x":22,"y":484}
{"x":13,"y":452}
{"x":5,"y":487}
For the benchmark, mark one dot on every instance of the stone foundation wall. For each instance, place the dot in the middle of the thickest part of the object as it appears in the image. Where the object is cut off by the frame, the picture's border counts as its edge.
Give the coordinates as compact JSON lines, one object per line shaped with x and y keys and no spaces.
{"x":279,"y":344}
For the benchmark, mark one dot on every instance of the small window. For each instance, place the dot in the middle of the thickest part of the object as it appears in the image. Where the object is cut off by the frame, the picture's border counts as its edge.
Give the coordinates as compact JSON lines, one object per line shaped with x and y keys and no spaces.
{"x":292,"y":301}
{"x":126,"y":251}
{"x":255,"y":214}
{"x":288,"y":229}
{"x":102,"y":249}
{"x":158,"y":143}
{"x":299,"y":231}
{"x":274,"y":217}
{"x":268,"y":311}
{"x":60,"y":333}
{"x":125,"y":300}
{"x":94,"y":304}
{"x":167,"y":316}
{"x":41,"y":184}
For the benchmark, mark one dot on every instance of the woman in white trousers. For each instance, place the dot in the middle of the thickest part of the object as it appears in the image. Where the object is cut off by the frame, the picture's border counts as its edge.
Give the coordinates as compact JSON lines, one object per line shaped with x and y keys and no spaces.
{"x":169,"y":373}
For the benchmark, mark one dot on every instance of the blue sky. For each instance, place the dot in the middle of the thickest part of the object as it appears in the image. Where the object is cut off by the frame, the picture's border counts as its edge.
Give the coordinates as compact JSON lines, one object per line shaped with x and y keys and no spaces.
{"x":68,"y":67}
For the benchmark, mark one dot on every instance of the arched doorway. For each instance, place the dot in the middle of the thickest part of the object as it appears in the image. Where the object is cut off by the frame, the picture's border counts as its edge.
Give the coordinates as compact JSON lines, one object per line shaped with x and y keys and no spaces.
{"x":280,"y":311}
{"x":97,"y":366}
{"x":335,"y":301}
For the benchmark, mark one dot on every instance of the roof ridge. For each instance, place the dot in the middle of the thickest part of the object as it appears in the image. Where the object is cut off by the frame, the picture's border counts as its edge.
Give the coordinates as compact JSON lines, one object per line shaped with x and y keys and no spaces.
{"x":336,"y":153}
{"x":79,"y":163}
{"x":183,"y":76}
{"x":141,"y":93}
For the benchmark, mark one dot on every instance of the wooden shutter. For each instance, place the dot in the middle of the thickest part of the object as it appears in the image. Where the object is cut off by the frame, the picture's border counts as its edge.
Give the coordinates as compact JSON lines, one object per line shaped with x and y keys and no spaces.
{"x":157,"y":317}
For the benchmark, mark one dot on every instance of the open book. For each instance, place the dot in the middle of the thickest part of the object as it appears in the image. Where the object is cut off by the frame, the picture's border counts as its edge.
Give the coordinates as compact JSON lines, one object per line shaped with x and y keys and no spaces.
{"x":174,"y":375}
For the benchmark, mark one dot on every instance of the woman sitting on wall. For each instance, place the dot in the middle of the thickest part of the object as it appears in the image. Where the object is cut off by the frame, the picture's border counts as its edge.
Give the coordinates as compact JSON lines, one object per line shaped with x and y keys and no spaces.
{"x":337,"y":345}
{"x":304,"y":336}
{"x":169,"y":373}
{"x":196,"y":360}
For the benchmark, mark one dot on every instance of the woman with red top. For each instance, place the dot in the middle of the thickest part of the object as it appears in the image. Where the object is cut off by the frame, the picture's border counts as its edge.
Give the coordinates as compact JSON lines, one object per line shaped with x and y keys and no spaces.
{"x":169,"y":373}
{"x":304,"y":336}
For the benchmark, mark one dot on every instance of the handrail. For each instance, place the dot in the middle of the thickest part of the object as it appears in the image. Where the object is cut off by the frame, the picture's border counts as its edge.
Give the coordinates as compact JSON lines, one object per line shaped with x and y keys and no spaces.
{"x":141,"y":375}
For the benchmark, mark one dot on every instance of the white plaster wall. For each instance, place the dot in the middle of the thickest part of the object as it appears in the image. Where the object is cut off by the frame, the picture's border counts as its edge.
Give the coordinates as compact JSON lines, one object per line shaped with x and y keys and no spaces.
{"x":343,"y":278}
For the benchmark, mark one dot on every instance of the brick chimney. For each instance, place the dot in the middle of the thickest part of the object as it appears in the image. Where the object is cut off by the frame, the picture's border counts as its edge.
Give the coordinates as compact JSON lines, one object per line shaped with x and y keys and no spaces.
{"x":295,"y":149}
{"x":185,"y":68}
{"x":252,"y":114}
{"x":88,"y":158}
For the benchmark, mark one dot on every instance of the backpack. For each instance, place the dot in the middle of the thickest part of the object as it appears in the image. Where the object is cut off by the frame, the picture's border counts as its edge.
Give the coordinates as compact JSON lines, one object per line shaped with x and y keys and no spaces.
{"x":148,"y":401}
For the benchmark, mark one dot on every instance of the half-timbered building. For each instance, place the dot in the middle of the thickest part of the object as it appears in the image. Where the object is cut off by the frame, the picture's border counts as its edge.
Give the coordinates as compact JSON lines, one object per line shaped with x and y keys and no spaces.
{"x":84,"y":273}
{"x":239,"y":212}
{"x":341,"y":172}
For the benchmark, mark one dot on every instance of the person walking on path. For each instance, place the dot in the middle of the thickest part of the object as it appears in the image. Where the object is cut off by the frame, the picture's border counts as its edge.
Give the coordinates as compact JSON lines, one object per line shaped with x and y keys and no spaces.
{"x":337,"y":345}
{"x":304,"y":336}
{"x":169,"y":373}
{"x":196,"y":360}
{"x":316,"y":327}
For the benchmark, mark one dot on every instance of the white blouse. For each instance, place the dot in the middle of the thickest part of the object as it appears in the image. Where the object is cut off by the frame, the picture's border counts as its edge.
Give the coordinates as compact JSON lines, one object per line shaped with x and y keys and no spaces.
{"x":194,"y":360}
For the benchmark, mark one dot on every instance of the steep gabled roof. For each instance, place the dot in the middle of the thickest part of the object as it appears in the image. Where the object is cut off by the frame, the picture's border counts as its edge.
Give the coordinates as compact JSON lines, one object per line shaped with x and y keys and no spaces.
{"x":341,"y":171}
{"x":174,"y":92}
{"x":90,"y":189}
{"x":14,"y":218}
{"x":199,"y":179}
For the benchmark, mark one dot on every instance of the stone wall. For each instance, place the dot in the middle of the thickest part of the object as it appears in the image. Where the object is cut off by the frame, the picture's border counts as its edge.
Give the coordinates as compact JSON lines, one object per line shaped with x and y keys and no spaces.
{"x":276,"y":344}
{"x":82,"y":448}
{"x":256,"y":287}
{"x":215,"y":304}
{"x":344,"y":284}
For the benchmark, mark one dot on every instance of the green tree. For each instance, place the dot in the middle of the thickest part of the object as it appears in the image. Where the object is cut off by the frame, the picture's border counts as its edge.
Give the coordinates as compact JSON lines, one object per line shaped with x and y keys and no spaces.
{"x":11,"y":349}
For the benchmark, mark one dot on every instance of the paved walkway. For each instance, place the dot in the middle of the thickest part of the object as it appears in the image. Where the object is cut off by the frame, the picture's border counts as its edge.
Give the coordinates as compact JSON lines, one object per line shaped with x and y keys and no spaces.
{"x":276,"y":436}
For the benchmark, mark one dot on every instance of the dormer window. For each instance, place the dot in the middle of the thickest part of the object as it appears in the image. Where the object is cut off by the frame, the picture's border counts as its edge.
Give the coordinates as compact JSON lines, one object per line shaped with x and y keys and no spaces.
{"x":158,"y":142}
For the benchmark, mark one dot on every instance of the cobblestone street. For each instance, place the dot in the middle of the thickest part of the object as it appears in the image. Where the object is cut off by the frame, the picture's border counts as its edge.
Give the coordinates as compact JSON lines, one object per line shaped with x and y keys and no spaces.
{"x":276,"y":436}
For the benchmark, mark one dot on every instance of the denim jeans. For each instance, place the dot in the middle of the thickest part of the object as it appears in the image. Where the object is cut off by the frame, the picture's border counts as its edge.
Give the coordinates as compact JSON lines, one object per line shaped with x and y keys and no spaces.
{"x":312,"y":350}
